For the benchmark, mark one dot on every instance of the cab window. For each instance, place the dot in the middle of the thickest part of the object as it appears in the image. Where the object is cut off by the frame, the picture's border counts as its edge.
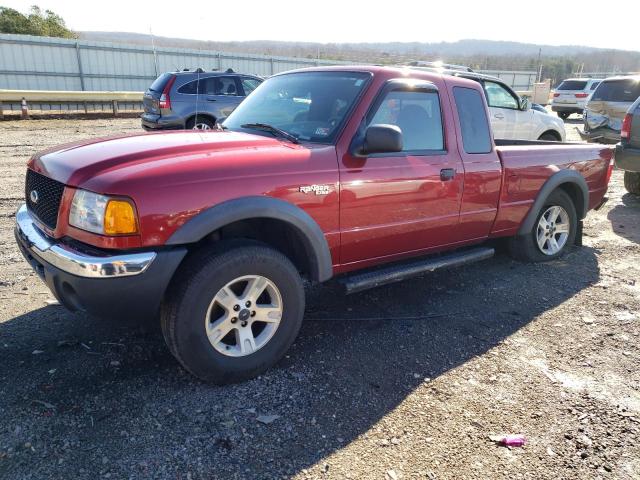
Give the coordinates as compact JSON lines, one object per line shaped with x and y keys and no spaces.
{"x":418,"y":116}
{"x":498,"y":96}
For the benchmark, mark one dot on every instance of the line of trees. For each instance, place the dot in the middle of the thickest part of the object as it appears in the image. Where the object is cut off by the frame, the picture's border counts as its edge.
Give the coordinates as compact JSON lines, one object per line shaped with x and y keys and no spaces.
{"x":37,"y":22}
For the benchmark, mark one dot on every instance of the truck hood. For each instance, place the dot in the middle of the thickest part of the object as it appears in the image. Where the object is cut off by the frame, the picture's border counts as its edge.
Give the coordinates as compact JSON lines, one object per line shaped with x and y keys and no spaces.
{"x":77,"y":163}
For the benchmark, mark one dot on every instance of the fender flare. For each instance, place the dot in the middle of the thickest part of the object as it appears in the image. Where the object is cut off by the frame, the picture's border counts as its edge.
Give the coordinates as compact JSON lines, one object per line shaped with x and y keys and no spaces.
{"x":555,"y":181}
{"x":225,"y":213}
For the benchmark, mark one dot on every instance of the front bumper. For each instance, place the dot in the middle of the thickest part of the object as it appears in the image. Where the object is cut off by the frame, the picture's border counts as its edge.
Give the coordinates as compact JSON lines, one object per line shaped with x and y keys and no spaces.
{"x":98,"y":282}
{"x":627,"y":158}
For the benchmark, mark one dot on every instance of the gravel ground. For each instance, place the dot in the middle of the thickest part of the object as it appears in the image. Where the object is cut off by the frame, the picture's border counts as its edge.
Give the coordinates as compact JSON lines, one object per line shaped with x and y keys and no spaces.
{"x":406,"y":381}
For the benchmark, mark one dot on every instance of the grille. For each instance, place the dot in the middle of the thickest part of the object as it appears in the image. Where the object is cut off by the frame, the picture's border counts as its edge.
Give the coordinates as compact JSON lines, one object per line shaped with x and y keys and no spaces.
{"x":49,"y":197}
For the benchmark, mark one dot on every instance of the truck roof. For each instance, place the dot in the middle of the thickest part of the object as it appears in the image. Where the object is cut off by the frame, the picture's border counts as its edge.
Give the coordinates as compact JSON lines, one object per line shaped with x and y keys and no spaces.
{"x":424,"y":73}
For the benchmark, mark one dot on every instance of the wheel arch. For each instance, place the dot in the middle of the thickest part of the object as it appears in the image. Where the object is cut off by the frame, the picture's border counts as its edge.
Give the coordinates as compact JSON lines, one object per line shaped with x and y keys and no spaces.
{"x":570,"y":182}
{"x":200,"y":114}
{"x":264,"y":213}
{"x":551,"y":131}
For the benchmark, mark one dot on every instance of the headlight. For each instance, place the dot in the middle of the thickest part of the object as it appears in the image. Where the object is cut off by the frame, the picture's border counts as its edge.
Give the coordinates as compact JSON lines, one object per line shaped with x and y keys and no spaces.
{"x":101,"y":214}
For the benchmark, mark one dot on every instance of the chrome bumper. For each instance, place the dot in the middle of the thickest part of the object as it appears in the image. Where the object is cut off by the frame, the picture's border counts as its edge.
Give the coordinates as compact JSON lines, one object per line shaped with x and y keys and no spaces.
{"x":73,"y":261}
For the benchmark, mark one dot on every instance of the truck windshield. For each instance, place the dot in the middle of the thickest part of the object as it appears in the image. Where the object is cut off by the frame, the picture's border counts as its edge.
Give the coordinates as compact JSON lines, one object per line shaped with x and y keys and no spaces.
{"x":310,"y":106}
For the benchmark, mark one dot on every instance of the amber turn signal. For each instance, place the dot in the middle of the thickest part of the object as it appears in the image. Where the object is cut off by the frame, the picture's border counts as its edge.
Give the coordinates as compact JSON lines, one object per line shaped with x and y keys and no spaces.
{"x":120,"y":218}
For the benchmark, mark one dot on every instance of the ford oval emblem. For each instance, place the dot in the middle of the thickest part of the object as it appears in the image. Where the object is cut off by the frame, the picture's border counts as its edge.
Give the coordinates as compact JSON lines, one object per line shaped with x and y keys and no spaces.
{"x":33,"y":196}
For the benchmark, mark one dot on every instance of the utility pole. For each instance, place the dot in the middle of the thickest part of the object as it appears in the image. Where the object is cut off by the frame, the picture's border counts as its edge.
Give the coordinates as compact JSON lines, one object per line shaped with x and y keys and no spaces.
{"x":539,"y":65}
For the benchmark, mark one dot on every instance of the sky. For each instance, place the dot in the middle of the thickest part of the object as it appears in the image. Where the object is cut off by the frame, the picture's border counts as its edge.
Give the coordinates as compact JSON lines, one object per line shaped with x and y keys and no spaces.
{"x":551,"y":23}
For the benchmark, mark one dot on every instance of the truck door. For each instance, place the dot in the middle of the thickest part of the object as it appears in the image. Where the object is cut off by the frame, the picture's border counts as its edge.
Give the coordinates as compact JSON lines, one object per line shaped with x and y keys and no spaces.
{"x":409,"y":201}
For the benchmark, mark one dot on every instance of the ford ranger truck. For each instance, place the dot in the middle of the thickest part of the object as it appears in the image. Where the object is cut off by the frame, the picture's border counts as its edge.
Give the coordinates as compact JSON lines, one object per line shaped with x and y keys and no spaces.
{"x":321,"y":173}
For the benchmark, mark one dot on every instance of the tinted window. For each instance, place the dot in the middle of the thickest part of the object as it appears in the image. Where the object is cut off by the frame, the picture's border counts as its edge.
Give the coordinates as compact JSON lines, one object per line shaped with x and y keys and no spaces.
{"x":499,"y":97}
{"x":219,"y":86}
{"x":418,"y":116}
{"x":249,"y":85}
{"x":190,"y":88}
{"x":627,"y":90}
{"x":594,"y":85}
{"x":159,"y":83}
{"x":572,"y":85}
{"x":311,"y":106}
{"x":474,"y":125}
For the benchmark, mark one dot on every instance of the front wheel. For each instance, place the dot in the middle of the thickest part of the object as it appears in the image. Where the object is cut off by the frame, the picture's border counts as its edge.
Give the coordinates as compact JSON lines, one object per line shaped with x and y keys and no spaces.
{"x":230,"y":316}
{"x":548,"y":137}
{"x":632,"y":182}
{"x":553,"y":232}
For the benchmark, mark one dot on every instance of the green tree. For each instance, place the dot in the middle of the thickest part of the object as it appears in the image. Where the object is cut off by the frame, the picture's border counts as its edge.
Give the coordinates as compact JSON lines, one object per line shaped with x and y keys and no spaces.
{"x":36,"y":22}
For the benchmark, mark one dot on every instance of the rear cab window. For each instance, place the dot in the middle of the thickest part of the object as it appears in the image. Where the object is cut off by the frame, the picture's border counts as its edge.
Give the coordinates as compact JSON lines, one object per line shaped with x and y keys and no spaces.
{"x":623,"y":90}
{"x":572,"y":85}
{"x":474,"y":125}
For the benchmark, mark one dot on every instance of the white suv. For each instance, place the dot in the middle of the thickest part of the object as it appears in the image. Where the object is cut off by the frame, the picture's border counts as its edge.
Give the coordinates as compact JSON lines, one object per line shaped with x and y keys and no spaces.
{"x":572,"y":94}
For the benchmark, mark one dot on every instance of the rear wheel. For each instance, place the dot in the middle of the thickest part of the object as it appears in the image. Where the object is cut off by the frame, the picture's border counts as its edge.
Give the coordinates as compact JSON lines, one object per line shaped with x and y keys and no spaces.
{"x":553,"y":232}
{"x":230,"y":316}
{"x":564,"y":115}
{"x":632,"y":182}
{"x":200,"y":123}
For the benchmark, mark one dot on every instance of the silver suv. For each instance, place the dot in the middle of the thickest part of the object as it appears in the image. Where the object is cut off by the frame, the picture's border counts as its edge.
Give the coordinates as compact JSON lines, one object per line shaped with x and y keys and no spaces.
{"x":194,"y":99}
{"x":571,"y":96}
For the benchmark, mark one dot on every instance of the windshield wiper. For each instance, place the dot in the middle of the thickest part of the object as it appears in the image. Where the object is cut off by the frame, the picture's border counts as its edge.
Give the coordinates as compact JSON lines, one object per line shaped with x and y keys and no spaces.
{"x":271,"y":129}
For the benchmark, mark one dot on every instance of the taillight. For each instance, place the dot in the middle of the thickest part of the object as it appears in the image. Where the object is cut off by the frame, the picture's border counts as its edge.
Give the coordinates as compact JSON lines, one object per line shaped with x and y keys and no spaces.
{"x":556,"y":94}
{"x":610,"y":170}
{"x":582,"y":95}
{"x":625,"y":131}
{"x":165,"y":99}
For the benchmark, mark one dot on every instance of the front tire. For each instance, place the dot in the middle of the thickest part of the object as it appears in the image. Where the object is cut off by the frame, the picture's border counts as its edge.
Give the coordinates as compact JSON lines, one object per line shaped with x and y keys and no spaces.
{"x":632,"y":182}
{"x":548,"y":137}
{"x":564,"y":115}
{"x":230,"y":316}
{"x":553,"y":232}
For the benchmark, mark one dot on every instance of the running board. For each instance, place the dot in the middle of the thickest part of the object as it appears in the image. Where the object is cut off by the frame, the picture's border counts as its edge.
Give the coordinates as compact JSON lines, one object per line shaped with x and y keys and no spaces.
{"x":397,"y":273}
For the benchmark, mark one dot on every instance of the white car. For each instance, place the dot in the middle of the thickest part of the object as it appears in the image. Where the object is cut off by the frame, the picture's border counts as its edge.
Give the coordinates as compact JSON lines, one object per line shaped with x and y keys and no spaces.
{"x":572,"y":94}
{"x":512,"y":117}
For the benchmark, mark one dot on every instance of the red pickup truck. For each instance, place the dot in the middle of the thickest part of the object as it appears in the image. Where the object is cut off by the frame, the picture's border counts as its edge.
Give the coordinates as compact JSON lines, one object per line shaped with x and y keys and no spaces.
{"x":318,"y":174}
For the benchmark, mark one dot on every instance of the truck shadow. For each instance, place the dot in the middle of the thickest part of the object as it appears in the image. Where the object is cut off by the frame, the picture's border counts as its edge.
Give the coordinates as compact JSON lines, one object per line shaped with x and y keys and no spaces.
{"x":624,"y":218}
{"x":114,"y":391}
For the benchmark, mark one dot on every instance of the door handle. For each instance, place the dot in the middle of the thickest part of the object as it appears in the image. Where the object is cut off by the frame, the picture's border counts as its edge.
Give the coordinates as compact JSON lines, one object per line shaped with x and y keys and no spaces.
{"x":499,"y":116}
{"x":211,"y":99}
{"x":447,"y":174}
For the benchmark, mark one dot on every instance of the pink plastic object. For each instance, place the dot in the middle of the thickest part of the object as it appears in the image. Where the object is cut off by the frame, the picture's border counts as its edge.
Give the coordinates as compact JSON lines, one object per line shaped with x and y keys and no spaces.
{"x":513,"y":440}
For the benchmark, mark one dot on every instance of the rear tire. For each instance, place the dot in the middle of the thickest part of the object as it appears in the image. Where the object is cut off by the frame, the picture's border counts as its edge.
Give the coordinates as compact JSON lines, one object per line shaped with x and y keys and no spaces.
{"x":632,"y":182}
{"x":203,"y":303}
{"x":200,"y":123}
{"x":538,"y":244}
{"x":564,"y":115}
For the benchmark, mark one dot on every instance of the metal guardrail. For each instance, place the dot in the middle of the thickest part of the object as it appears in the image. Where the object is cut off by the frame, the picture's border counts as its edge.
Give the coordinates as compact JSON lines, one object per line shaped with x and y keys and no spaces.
{"x":26,"y":101}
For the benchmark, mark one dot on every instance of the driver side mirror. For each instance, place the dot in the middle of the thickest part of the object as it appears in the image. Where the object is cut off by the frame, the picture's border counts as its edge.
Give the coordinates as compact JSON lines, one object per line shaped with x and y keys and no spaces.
{"x":382,"y":138}
{"x":524,"y":104}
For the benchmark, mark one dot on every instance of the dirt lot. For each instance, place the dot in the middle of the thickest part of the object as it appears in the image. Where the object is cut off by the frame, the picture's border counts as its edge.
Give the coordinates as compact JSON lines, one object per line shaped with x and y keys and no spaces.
{"x":406,"y":381}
